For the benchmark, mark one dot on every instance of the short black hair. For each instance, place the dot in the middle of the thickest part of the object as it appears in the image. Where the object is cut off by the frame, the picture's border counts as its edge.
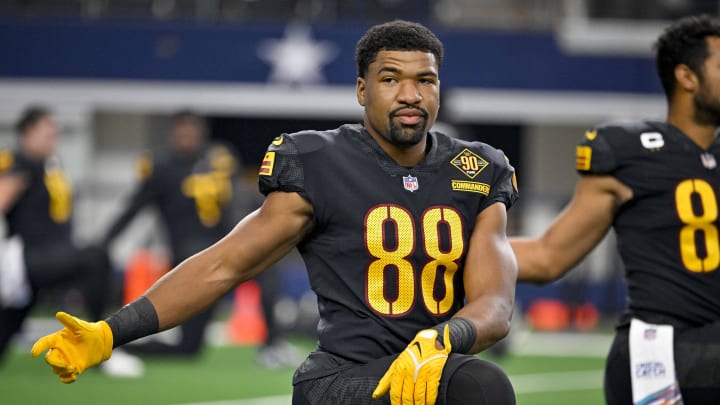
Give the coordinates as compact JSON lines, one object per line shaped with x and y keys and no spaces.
{"x":398,"y":35}
{"x":30,"y":117}
{"x":189,"y":116}
{"x":684,"y":43}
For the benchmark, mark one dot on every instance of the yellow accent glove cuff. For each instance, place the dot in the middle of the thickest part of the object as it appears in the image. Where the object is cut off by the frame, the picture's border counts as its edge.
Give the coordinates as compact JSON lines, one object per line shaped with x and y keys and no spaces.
{"x":76,"y":347}
{"x":414,"y":377}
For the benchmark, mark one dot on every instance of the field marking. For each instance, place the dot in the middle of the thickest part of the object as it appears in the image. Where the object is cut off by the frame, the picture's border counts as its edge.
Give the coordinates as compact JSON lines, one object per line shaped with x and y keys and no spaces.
{"x":522,"y":383}
{"x":558,"y":381}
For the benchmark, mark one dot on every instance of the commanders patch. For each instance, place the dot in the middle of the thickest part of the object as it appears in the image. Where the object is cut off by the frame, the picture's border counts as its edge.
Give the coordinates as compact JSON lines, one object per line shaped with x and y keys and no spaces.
{"x":583,"y":157}
{"x":268,"y":163}
{"x":471,"y":186}
{"x":469,"y":163}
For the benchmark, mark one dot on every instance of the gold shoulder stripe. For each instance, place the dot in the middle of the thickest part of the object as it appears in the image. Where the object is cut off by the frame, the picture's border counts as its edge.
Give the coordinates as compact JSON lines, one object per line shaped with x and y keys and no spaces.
{"x":278,"y":141}
{"x":583,"y":157}
{"x":590,"y":135}
{"x":144,"y":167}
{"x":6,"y":160}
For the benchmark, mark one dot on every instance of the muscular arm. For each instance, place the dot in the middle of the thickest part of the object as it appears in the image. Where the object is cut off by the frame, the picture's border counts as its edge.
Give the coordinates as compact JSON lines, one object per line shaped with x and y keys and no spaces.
{"x":489,"y":279}
{"x":256,"y":242}
{"x":574,"y":233}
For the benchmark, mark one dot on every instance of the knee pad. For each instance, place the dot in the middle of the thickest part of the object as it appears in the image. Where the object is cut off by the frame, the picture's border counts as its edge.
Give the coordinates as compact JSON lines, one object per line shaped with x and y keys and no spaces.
{"x":480,"y":382}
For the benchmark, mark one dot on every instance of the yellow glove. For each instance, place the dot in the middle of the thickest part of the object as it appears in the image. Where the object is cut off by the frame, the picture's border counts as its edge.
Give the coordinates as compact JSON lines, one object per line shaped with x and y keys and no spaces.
{"x":413,"y":378}
{"x":76,"y":347}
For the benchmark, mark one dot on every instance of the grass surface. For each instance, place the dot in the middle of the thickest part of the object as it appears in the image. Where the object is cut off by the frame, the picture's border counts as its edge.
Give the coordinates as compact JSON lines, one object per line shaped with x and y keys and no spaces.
{"x":229,"y":373}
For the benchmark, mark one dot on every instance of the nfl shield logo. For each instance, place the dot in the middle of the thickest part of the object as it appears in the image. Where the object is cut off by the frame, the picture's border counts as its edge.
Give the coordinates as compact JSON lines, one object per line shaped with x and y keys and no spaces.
{"x":410,"y":183}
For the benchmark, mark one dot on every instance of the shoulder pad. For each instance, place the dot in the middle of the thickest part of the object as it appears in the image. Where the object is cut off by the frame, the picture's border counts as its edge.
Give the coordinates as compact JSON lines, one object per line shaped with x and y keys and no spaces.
{"x":144,"y":166}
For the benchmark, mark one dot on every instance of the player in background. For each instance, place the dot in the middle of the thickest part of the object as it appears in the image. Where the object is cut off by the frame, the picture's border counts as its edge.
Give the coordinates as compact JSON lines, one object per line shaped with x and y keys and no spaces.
{"x":403,"y":233}
{"x":657,"y":184}
{"x":190,"y":183}
{"x":36,"y":201}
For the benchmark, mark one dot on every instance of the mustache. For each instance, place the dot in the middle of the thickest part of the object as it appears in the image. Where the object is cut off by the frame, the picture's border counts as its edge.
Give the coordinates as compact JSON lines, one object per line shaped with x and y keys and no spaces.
{"x":422,"y":111}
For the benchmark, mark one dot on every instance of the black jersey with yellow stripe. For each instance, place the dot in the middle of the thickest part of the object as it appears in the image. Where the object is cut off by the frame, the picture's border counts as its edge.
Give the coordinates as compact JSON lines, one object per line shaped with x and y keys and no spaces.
{"x":42,"y":212}
{"x":385,"y":256}
{"x":192,"y":193}
{"x":667,"y":233}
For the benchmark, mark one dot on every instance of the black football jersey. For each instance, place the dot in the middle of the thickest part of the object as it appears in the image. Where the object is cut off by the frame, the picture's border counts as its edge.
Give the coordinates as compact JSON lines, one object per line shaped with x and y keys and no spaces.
{"x":43,"y":211}
{"x":385,"y":256}
{"x":667,"y":234}
{"x":192,"y":194}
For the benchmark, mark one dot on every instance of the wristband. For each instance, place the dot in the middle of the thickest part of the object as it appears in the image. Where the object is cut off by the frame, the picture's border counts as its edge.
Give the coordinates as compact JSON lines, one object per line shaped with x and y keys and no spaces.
{"x":462,"y":334}
{"x":133,"y":321}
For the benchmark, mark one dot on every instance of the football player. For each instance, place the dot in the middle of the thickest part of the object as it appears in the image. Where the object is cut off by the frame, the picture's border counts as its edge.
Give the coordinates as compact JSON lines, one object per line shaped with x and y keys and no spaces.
{"x":657,"y":184}
{"x":403,"y":232}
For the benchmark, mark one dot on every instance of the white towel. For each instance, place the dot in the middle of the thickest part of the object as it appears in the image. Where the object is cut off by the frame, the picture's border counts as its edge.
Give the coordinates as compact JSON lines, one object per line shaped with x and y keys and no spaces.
{"x":652,"y":365}
{"x":15,"y":291}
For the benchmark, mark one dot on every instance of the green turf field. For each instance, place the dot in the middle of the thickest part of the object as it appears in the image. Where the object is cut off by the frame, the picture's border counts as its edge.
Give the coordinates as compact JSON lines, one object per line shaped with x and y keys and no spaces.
{"x":228,"y":375}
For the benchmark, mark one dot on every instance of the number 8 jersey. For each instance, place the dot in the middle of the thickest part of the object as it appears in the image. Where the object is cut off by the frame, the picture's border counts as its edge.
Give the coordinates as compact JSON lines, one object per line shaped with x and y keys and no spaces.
{"x":385,"y":256}
{"x":667,"y":233}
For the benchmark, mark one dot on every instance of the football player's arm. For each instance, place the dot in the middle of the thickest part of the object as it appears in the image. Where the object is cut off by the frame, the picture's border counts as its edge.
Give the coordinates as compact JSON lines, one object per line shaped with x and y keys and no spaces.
{"x":145,"y":192}
{"x":256,"y":242}
{"x":490,"y":272}
{"x":259,"y":240}
{"x":580,"y":226}
{"x":489,"y":279}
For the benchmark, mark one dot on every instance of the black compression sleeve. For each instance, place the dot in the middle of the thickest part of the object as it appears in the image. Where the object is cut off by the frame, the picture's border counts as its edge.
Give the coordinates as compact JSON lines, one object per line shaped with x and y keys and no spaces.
{"x":133,"y":321}
{"x":462,"y":334}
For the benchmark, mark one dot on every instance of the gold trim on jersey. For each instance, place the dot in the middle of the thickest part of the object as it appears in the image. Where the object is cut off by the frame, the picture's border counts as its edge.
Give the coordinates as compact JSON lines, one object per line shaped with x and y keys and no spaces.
{"x":469,"y":163}
{"x":471,"y":186}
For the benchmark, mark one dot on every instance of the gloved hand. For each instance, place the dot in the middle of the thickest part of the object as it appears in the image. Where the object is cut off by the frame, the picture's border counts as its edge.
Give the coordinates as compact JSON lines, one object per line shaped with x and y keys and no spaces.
{"x":413,"y":378}
{"x":75,"y":348}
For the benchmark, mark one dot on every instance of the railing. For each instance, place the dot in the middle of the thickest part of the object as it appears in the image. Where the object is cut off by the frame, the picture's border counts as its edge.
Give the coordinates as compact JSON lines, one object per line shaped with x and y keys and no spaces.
{"x":470,"y":14}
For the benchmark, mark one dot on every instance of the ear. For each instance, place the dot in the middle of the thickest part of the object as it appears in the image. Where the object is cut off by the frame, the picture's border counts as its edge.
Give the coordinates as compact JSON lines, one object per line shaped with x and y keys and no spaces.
{"x":360,"y":89}
{"x":686,"y":79}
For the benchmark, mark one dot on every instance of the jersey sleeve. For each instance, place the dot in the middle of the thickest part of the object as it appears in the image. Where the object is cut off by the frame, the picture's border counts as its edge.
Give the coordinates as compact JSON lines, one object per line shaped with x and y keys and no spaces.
{"x":9,"y":164}
{"x":594,"y":154}
{"x":504,"y":188}
{"x":282,"y":168}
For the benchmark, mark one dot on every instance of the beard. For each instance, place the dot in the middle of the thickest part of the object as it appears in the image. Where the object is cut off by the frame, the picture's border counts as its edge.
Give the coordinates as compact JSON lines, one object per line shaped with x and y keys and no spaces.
{"x":404,"y":135}
{"x":408,"y":135}
{"x":707,"y":108}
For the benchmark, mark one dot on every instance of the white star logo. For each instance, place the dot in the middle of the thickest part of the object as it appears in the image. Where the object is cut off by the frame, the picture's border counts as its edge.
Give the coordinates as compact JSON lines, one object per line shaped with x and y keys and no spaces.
{"x":297,"y":58}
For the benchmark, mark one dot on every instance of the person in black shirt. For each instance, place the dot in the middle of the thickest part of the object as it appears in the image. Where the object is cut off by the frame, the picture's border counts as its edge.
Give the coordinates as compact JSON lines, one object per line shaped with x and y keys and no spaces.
{"x":191,"y":185}
{"x":657,"y":184}
{"x":403,"y":233}
{"x":36,"y":200}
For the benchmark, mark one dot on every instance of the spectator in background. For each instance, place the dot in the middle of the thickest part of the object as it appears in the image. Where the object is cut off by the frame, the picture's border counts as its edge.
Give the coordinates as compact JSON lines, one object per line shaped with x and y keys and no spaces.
{"x":36,"y":200}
